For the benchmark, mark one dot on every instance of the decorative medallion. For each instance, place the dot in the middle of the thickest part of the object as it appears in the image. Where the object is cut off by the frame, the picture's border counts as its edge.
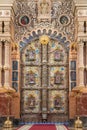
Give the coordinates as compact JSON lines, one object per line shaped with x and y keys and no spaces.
{"x":24,"y":20}
{"x":64,"y":20}
{"x":44,"y":39}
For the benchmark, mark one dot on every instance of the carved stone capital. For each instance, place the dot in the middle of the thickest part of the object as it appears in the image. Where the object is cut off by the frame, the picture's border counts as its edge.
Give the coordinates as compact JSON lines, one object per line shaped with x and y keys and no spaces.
{"x":82,"y":41}
{"x":5,"y":40}
{"x":6,"y":67}
{"x":81,"y":67}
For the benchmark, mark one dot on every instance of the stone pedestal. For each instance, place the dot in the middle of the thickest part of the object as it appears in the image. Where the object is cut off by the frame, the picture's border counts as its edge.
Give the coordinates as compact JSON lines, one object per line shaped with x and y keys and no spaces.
{"x":72,"y":105}
{"x":77,"y":103}
{"x":15,"y":106}
{"x":3,"y":105}
{"x":82,"y":103}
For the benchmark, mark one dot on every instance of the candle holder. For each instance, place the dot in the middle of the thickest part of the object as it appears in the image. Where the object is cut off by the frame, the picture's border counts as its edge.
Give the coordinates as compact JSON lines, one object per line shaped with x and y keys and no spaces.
{"x":78,"y":124}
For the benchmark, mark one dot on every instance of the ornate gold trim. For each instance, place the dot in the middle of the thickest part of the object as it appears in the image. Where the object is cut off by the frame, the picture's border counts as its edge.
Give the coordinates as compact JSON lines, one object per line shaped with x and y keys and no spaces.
{"x":44,"y":39}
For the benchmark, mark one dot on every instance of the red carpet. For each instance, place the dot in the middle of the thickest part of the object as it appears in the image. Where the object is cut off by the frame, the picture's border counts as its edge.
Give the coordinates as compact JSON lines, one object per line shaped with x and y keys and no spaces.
{"x":43,"y":127}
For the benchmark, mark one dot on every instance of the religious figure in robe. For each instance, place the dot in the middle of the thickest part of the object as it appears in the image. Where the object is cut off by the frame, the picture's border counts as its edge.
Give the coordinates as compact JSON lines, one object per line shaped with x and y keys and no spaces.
{"x":31,"y":77}
{"x":31,"y":101}
{"x":57,"y":55}
{"x":44,"y":7}
{"x":30,"y":54}
{"x":57,"y":78}
{"x":57,"y":101}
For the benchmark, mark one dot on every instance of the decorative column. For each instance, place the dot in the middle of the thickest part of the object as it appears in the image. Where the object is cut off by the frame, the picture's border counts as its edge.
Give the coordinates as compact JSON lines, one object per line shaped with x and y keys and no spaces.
{"x":86,"y":63}
{"x":0,"y":64}
{"x":81,"y":64}
{"x":7,"y":65}
{"x":44,"y":81}
{"x":44,"y":40}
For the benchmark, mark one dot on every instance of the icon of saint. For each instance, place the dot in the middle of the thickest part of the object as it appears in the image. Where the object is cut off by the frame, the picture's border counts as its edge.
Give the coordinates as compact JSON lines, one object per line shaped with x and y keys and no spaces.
{"x":44,"y":7}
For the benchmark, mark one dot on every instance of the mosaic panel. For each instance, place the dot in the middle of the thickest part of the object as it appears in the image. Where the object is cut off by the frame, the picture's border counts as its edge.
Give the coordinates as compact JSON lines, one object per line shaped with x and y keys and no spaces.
{"x":60,"y":74}
{"x":59,"y":12}
{"x":57,"y":101}
{"x":32,"y":53}
{"x":56,"y":53}
{"x":31,"y":101}
{"x":32,"y":77}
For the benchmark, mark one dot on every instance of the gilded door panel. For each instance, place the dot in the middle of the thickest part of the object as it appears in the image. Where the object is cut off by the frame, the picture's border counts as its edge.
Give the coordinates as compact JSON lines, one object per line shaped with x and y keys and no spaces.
{"x":44,"y":81}
{"x":57,"y":101}
{"x":31,"y":101}
{"x":57,"y":77}
{"x":32,"y":76}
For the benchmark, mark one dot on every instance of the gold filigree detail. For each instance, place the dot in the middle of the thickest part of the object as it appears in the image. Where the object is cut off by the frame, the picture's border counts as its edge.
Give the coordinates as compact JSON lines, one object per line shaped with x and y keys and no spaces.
{"x":44,"y":39}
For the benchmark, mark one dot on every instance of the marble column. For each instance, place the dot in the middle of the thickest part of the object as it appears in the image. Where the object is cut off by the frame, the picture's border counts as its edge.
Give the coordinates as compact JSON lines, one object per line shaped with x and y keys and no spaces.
{"x":81,"y":63}
{"x":86,"y":63}
{"x":7,"y":54}
{"x":44,"y":81}
{"x":7,"y":65}
{"x":0,"y":64}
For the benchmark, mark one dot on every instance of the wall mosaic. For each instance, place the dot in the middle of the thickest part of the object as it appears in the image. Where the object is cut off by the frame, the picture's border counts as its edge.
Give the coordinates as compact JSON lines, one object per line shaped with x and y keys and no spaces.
{"x":60,"y":12}
{"x":44,"y":66}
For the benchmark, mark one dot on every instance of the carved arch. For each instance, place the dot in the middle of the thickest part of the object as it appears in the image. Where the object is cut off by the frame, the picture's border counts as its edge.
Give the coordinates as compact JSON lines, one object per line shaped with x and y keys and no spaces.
{"x":52,"y":33}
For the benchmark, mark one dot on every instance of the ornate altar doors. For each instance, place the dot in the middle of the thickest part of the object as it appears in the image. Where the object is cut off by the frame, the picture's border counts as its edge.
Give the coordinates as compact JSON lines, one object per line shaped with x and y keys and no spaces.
{"x":44,"y":82}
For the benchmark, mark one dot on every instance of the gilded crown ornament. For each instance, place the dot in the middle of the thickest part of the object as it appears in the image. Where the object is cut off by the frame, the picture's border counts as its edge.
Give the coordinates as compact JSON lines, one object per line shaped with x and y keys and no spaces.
{"x":44,"y":39}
